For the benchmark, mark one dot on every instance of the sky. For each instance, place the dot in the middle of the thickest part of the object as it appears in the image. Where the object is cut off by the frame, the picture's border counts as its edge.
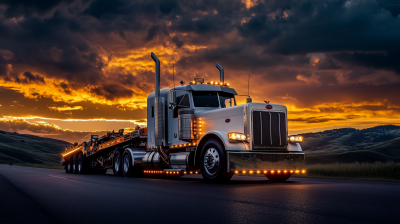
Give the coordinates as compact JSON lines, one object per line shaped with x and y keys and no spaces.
{"x":75,"y":67}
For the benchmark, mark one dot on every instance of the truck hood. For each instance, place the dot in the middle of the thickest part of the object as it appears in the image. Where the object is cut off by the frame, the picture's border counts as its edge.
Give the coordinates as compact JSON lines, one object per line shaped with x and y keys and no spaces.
{"x":233,"y":119}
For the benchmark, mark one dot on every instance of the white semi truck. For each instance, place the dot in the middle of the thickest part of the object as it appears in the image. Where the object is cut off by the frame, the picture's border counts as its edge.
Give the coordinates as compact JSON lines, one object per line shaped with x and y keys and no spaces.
{"x":196,"y":128}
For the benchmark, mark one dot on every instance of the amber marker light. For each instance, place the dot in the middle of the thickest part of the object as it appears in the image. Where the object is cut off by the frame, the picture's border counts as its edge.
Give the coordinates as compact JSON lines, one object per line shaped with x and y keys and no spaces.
{"x":265,"y":171}
{"x":258,"y":171}
{"x":197,"y":172}
{"x":236,"y":171}
{"x":184,"y":172}
{"x":303,"y":171}
{"x":71,"y":152}
{"x":191,"y":172}
{"x":297,"y":171}
{"x":279,"y":171}
{"x":272,"y":171}
{"x":285,"y":171}
{"x":251,"y":172}
{"x":194,"y":143}
{"x":244,"y":171}
{"x":291,"y":171}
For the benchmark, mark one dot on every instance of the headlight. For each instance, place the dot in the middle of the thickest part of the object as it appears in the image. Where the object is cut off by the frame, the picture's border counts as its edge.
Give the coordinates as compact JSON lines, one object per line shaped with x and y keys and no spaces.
{"x":295,"y":139}
{"x":237,"y":136}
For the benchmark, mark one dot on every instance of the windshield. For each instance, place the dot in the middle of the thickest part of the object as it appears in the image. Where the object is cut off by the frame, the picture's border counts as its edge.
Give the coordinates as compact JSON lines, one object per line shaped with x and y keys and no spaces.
{"x":213,"y":99}
{"x":226,"y":99}
{"x":205,"y":99}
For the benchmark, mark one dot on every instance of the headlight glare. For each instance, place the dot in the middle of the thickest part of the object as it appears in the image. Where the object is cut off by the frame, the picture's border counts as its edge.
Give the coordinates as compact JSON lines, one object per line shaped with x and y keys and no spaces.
{"x":295,"y":139}
{"x":237,"y":136}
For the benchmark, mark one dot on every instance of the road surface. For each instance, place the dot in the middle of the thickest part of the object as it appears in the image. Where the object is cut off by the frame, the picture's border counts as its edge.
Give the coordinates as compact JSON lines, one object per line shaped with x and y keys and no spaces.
{"x":34,"y":195}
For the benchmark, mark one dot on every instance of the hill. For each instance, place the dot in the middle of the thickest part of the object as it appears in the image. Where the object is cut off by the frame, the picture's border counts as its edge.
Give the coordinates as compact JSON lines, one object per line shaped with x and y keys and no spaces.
{"x":29,"y":148}
{"x":347,"y":145}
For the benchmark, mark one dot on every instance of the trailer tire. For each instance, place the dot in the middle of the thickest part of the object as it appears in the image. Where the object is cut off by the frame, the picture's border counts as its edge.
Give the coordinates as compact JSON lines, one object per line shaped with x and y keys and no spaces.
{"x":117,"y":163}
{"x":213,"y":162}
{"x":75,"y":164}
{"x":66,"y":164}
{"x":70,"y":164}
{"x":82,"y":166}
{"x":278,"y":177}
{"x":127,"y":167}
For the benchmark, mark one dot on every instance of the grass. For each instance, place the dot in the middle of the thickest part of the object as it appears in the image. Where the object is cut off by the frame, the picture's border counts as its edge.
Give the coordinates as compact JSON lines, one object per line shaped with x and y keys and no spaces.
{"x":378,"y":171}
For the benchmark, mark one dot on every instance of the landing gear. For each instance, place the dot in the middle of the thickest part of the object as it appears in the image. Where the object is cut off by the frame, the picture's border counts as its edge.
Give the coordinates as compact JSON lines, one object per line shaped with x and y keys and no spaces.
{"x":213,"y":162}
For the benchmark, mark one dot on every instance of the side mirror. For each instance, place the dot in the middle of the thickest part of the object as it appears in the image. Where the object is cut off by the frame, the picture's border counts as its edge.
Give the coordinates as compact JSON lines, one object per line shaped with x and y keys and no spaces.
{"x":172,"y":99}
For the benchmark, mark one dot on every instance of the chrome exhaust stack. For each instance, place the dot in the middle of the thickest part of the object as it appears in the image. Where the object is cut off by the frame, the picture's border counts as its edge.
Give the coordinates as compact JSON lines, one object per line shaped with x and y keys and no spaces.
{"x":158,"y":106}
{"x":221,"y":72}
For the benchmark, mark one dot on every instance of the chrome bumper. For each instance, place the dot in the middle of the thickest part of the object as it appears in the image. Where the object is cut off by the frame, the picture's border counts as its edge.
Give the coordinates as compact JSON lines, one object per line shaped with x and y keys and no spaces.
{"x":265,"y":161}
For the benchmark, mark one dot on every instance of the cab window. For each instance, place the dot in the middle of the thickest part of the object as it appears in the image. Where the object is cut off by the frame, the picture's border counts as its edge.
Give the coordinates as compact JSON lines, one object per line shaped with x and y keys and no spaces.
{"x":205,"y":99}
{"x":226,"y":99}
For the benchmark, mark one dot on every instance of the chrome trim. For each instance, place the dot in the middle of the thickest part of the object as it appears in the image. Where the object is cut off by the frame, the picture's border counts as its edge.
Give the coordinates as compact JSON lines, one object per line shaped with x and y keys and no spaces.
{"x":279,"y":126}
{"x":270,"y":129}
{"x":264,"y":161}
{"x":261,"y":127}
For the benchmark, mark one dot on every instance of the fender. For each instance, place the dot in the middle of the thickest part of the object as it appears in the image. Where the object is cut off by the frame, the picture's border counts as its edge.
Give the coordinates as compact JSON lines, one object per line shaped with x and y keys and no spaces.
{"x":294,"y":147}
{"x":229,"y":145}
{"x":137,"y":156}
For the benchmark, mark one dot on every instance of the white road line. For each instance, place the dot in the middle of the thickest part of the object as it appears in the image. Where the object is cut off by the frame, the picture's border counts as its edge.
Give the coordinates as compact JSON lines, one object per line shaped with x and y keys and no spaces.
{"x":58,"y":177}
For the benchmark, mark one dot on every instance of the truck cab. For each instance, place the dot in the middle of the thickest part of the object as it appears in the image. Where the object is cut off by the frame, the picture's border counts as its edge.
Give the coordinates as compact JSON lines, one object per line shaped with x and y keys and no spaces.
{"x":219,"y":137}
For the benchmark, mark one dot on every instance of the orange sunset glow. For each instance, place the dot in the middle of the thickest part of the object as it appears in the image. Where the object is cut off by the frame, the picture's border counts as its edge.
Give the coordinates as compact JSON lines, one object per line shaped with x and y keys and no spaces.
{"x":71,"y":69}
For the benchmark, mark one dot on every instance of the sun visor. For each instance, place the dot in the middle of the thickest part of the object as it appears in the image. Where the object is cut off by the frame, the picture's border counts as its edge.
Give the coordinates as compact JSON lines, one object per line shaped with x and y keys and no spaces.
{"x":210,"y":88}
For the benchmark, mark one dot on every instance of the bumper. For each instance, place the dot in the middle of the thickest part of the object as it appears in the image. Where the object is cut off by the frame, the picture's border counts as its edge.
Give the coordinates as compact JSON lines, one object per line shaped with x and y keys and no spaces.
{"x":239,"y":161}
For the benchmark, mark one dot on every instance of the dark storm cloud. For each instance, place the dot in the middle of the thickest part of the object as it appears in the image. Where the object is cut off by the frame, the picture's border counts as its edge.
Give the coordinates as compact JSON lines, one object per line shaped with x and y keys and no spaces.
{"x":275,"y":40}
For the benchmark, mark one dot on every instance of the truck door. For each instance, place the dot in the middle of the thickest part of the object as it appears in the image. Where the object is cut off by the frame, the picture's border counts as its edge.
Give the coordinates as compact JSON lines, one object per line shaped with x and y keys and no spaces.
{"x":182,"y":101}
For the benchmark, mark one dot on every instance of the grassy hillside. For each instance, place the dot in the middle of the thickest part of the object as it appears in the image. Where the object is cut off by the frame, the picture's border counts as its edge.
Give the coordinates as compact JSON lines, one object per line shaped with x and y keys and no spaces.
{"x":347,"y":145}
{"x":30,"y":149}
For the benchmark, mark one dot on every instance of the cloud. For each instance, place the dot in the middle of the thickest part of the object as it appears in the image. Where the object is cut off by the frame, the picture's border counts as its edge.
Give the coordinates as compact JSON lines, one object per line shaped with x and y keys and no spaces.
{"x":96,"y":54}
{"x":66,"y":108}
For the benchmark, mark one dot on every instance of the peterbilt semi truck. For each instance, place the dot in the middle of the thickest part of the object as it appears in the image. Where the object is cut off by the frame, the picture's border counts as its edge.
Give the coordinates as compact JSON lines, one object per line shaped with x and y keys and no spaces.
{"x":192,"y":129}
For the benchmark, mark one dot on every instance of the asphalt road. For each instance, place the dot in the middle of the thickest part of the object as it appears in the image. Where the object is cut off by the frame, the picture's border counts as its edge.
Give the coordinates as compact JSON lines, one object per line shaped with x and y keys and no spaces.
{"x":34,"y":195}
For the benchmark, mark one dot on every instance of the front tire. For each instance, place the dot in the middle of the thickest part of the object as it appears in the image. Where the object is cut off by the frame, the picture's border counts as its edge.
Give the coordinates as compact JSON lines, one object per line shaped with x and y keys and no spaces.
{"x":117,"y":163}
{"x":213,"y":162}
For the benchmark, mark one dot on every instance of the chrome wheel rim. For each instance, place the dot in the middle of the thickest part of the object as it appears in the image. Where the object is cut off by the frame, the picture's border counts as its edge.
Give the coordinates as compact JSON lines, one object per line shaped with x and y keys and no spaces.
{"x":211,"y":161}
{"x":126,"y":163}
{"x":116,"y":164}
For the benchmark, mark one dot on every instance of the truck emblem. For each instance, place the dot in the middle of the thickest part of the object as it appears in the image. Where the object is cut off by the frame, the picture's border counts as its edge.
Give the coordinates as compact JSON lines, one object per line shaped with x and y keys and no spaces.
{"x":269,"y":107}
{"x":227,"y":120}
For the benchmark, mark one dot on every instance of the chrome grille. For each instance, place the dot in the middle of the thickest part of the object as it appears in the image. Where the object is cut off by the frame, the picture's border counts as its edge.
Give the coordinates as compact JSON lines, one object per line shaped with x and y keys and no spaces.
{"x":269,"y":129}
